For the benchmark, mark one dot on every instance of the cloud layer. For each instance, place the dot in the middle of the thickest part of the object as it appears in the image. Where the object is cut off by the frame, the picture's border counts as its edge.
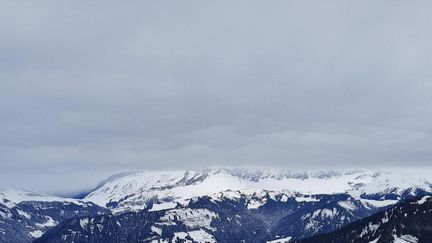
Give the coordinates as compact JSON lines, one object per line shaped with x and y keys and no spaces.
{"x":87,"y":89}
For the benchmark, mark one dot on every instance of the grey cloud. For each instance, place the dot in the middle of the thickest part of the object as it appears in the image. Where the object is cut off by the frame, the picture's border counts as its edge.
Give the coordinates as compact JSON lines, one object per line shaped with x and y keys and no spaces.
{"x":94,"y":88}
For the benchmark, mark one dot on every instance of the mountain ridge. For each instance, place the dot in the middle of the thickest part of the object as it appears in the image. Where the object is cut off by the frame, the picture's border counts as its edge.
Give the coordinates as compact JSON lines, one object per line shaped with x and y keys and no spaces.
{"x":142,"y":187}
{"x":282,"y":204}
{"x":406,"y":222}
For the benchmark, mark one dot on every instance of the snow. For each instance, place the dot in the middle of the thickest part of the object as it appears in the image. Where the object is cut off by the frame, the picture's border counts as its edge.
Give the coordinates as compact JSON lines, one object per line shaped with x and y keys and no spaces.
{"x":325,"y":213}
{"x":138,"y":189}
{"x":321,"y":213}
{"x":255,"y":204}
{"x":196,"y":235}
{"x":349,"y":205}
{"x":284,"y":198}
{"x":377,"y":203}
{"x":423,"y":200}
{"x":163,"y":206}
{"x":405,"y":239}
{"x":50,"y":222}
{"x":396,"y":182}
{"x":306,"y":199}
{"x":10,"y":197}
{"x":24,"y":214}
{"x":156,"y":230}
{"x":36,"y":234}
{"x":370,"y":228}
{"x":310,"y":225}
{"x":84,"y":222}
{"x":180,"y":236}
{"x":192,"y":218}
{"x":281,"y":240}
{"x":202,"y":236}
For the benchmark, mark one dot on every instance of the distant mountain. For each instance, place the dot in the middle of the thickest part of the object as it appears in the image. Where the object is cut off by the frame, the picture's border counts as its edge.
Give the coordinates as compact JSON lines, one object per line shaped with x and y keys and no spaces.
{"x":135,"y":192}
{"x":407,"y":222}
{"x":222,"y":205}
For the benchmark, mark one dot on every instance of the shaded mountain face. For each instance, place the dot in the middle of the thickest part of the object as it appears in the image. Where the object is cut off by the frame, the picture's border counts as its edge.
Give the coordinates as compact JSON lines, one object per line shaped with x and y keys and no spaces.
{"x":29,"y":220}
{"x":217,"y":220}
{"x":224,"y":220}
{"x":208,"y":206}
{"x":409,"y":221}
{"x":24,"y":221}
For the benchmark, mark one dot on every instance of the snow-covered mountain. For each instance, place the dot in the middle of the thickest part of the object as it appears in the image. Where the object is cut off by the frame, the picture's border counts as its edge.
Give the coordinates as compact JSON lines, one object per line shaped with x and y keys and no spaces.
{"x":406,"y":222}
{"x":209,"y":205}
{"x":137,"y":191}
{"x":26,"y":215}
{"x":204,"y":219}
{"x":11,"y":197}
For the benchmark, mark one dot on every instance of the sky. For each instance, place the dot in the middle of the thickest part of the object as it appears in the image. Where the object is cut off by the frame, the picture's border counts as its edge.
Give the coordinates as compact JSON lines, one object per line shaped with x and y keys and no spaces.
{"x":91,"y":88}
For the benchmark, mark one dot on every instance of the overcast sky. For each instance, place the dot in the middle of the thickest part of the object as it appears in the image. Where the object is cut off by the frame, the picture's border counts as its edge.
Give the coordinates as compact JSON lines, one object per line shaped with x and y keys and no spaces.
{"x":89,"y":88}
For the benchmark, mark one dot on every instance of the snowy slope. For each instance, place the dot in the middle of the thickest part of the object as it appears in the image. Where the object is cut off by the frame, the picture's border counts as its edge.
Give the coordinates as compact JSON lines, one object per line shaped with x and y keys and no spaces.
{"x":11,"y":197}
{"x":136,"y":191}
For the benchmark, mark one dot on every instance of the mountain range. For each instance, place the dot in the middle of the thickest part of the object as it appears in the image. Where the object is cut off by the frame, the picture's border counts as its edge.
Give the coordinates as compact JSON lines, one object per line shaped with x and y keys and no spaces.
{"x":216,"y":205}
